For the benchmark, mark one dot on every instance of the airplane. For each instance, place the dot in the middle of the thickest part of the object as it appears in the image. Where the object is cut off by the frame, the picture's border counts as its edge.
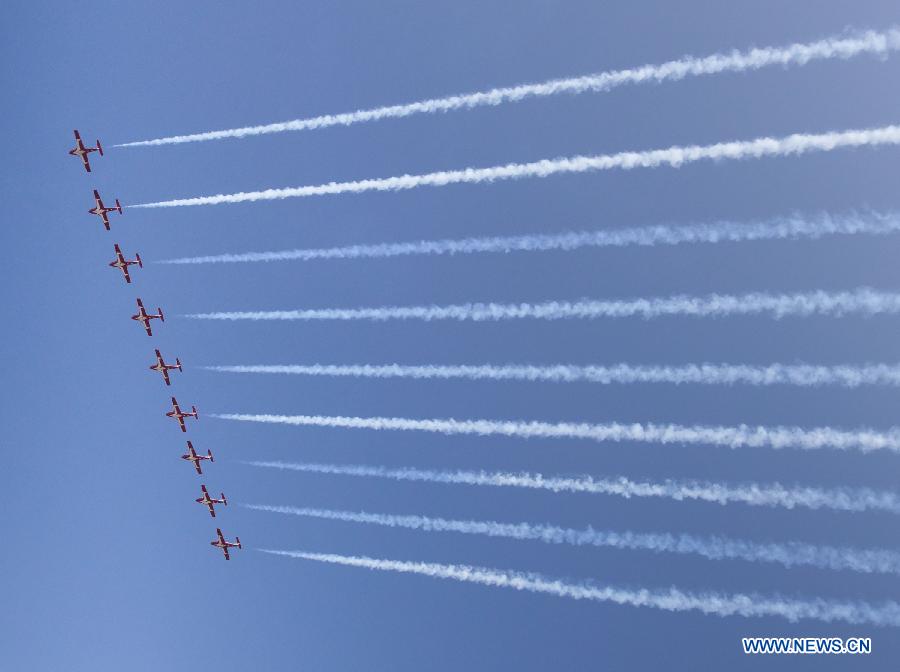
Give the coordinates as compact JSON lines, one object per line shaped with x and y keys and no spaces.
{"x":210,"y":502}
{"x":122,"y":263}
{"x":142,"y":317}
{"x":225,"y":545}
{"x":180,"y":415}
{"x":164,"y":368}
{"x":192,"y":456}
{"x":102,"y":211}
{"x":81,"y":151}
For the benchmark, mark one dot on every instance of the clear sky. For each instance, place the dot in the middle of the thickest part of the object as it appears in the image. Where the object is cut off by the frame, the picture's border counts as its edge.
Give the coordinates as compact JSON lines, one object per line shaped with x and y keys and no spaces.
{"x":106,"y":563}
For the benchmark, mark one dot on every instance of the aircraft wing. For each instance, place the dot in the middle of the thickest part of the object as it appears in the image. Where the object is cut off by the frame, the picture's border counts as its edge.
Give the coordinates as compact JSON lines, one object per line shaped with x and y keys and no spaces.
{"x":221,"y":536}
{"x":85,"y":161}
{"x":193,"y":457}
{"x":147,"y":327}
{"x":165,"y":373}
{"x":225,"y":551}
{"x":127,"y":274}
{"x":212,"y":509}
{"x":181,"y":423}
{"x":105,"y":218}
{"x":97,"y":199}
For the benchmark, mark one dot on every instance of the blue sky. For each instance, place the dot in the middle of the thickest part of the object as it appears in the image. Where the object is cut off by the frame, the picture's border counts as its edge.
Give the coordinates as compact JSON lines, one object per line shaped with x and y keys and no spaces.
{"x":106,"y":560}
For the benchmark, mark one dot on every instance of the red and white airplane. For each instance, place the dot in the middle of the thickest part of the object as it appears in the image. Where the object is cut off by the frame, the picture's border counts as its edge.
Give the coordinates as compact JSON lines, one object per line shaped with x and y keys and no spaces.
{"x":164,"y":368}
{"x":210,"y":502}
{"x":180,"y":415}
{"x":82,"y":152}
{"x":122,"y":263}
{"x":192,"y":456}
{"x":225,"y":545}
{"x":102,"y":211}
{"x":142,"y":317}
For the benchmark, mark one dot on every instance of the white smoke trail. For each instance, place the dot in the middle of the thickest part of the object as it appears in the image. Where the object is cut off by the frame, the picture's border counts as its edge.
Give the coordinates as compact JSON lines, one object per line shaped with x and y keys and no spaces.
{"x":740,"y":436}
{"x":670,"y":599}
{"x":879,"y":43}
{"x":753,"y":494}
{"x":790,"y":554}
{"x":706,"y":374}
{"x":675,"y":156}
{"x":864,"y":301}
{"x":871,"y":223}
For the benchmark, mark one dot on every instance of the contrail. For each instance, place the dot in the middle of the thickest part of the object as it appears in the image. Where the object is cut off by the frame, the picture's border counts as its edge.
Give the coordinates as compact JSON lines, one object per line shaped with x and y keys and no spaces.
{"x":862,"y":301}
{"x":753,"y":494}
{"x":790,"y":554}
{"x":871,"y":223}
{"x":675,"y":156}
{"x":704,"y":374}
{"x":669,"y":599}
{"x":740,"y":436}
{"x":879,"y":43}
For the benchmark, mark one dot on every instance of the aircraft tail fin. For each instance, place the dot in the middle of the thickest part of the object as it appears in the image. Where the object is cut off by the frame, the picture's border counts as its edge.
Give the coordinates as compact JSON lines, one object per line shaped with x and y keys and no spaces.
{"x":210,"y":455}
{"x":162,"y":318}
{"x":138,"y":258}
{"x":238,"y":540}
{"x":196,"y":415}
{"x":118,"y":206}
{"x":178,"y":364}
{"x":224,"y":500}
{"x":99,"y":148}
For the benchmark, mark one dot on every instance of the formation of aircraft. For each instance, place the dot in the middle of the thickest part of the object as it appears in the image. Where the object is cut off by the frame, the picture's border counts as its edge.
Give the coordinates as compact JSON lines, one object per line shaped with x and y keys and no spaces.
{"x":180,"y":415}
{"x":192,"y":456}
{"x":164,"y":368}
{"x":225,"y":545}
{"x":210,"y":502}
{"x":83,"y":152}
{"x":144,"y":318}
{"x":102,"y":211}
{"x":122,"y":263}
